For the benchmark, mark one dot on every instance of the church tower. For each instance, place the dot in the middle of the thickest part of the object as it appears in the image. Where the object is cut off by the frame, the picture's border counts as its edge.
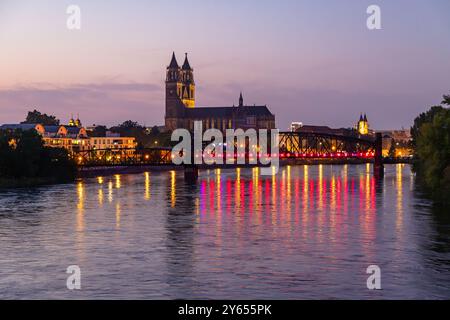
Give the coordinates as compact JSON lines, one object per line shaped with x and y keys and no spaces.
{"x":363,"y":125}
{"x":174,"y":87}
{"x":188,"y":84}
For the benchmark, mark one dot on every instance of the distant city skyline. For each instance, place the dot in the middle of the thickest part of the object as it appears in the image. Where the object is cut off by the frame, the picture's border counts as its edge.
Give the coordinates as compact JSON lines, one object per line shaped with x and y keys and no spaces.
{"x":312,"y":62}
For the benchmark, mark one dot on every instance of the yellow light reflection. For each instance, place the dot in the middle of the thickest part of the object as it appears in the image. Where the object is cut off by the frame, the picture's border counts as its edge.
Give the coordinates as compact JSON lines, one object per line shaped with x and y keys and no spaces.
{"x":147,"y":195}
{"x":110,"y":191}
{"x":399,"y":187}
{"x":218,"y":191}
{"x":80,"y":207}
{"x":118,"y":183}
{"x":256,"y":187}
{"x":173,"y":194}
{"x":118,"y":215}
{"x":100,"y":180}
{"x":100,"y":196}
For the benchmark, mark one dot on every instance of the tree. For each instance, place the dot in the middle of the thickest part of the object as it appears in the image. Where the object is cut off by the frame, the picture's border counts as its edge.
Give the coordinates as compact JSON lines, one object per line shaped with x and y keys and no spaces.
{"x":392,"y":149}
{"x":29,"y":158}
{"x":432,"y":150}
{"x":35,"y":117}
{"x":99,"y":131}
{"x":130,"y":124}
{"x":425,"y":117}
{"x":446,"y":100}
{"x":155,"y":130}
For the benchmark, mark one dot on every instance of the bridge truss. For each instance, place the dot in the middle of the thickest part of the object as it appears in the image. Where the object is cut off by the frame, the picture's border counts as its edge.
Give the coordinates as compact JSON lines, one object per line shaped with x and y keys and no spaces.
{"x":292,"y":145}
{"x":321,"y":145}
{"x":123,"y":157}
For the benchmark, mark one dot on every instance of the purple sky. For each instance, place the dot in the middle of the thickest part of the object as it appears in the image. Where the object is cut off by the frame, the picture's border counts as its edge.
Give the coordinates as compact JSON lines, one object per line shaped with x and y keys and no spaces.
{"x":310,"y":61}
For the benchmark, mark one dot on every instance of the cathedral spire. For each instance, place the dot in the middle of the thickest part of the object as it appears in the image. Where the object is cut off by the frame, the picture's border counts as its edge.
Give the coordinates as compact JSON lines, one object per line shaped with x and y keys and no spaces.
{"x":173,"y":62}
{"x":241,"y":100}
{"x":186,"y":65}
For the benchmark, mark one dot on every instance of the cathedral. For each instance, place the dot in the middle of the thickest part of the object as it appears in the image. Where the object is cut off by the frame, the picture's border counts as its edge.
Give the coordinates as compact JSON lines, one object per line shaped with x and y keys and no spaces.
{"x":181,"y":111}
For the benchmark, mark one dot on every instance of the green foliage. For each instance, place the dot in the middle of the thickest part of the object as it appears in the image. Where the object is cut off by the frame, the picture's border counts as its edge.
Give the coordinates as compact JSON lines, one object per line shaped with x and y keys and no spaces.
{"x":35,"y":117}
{"x":99,"y":131}
{"x":23,"y":155}
{"x":155,"y":130}
{"x":158,"y":140}
{"x":432,"y":149}
{"x":130,"y":125}
{"x":425,"y":117}
{"x":446,"y":99}
{"x":131,"y":129}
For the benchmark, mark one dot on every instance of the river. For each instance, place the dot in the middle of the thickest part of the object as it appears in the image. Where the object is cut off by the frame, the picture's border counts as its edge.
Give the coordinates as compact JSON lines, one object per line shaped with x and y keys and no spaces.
{"x":309,"y":232}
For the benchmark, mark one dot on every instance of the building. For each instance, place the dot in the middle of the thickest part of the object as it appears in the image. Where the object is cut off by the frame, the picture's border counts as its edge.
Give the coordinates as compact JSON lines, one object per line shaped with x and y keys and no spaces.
{"x":363,"y":125}
{"x":295,"y":126}
{"x":181,"y":111}
{"x":402,"y":143}
{"x":74,"y":138}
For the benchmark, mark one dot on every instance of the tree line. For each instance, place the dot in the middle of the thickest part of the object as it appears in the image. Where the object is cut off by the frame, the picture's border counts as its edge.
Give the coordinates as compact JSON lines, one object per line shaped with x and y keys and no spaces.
{"x":24,"y":160}
{"x":431,"y":144}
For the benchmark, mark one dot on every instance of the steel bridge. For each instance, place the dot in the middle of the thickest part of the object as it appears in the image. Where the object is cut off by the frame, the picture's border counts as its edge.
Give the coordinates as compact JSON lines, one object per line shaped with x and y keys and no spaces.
{"x":324,"y":145}
{"x":123,"y":157}
{"x":292,"y":145}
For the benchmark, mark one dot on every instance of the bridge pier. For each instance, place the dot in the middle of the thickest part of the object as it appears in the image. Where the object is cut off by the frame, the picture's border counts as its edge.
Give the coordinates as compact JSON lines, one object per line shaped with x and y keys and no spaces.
{"x":191,"y":170}
{"x":378,"y":166}
{"x":191,"y":173}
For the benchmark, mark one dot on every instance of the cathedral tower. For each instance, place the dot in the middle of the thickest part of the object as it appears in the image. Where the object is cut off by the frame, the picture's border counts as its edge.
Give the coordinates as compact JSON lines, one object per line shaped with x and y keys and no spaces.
{"x":174,"y":87}
{"x":188,"y":84}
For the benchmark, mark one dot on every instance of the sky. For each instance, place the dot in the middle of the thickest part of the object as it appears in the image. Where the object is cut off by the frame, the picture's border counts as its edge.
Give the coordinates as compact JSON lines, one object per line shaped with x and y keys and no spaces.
{"x":313,"y":61}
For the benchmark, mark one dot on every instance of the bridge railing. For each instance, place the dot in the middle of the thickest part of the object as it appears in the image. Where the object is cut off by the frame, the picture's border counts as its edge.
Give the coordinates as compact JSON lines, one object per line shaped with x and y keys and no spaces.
{"x":124,"y":156}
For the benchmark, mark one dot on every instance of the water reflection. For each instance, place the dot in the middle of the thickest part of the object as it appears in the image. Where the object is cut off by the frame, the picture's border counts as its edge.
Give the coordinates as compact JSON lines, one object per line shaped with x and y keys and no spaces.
{"x":308,"y":232}
{"x":147,"y":195}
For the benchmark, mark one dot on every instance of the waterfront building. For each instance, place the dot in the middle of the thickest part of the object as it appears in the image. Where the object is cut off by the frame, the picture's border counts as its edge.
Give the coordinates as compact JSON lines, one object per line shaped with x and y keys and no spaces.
{"x":295,"y":126}
{"x":181,"y":111}
{"x":75,"y":138}
{"x":402,"y":139}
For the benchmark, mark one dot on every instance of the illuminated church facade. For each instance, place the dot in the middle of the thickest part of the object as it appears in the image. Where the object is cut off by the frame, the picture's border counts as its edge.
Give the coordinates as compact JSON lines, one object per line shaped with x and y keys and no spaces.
{"x":363,"y":125}
{"x":181,"y":111}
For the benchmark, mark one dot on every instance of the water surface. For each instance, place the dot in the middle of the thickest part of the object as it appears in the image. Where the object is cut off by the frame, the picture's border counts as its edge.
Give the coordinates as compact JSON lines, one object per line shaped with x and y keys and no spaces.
{"x":308,"y":233}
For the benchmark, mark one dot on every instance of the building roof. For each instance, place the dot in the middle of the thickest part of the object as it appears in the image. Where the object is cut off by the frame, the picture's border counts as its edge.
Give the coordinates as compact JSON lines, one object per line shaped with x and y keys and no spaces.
{"x":255,"y":110}
{"x":227,"y":112}
{"x":22,"y":126}
{"x":52,"y":129}
{"x":173,"y":63}
{"x":324,"y":130}
{"x":73,"y":130}
{"x":186,"y":65}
